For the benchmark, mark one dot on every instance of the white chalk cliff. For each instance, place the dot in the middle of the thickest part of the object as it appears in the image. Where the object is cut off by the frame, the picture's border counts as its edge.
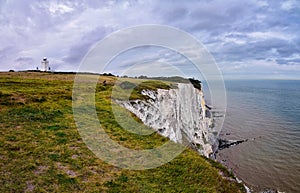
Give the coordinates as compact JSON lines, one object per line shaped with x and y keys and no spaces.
{"x":179,"y":114}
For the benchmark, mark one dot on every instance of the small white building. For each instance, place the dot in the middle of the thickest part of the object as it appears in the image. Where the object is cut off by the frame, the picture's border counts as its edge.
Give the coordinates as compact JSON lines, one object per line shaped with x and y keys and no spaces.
{"x":45,"y":65}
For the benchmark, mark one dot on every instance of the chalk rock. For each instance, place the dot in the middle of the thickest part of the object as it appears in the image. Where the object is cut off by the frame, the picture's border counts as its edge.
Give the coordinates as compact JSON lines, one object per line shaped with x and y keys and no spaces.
{"x":179,"y":114}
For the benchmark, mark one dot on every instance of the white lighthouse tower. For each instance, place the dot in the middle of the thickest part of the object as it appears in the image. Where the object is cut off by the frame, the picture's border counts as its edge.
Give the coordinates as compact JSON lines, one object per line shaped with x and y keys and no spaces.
{"x":45,"y":64}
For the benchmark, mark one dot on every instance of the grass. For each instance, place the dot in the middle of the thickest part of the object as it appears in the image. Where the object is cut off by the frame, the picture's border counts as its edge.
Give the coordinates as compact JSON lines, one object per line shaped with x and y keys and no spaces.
{"x":42,"y":151}
{"x":131,"y":88}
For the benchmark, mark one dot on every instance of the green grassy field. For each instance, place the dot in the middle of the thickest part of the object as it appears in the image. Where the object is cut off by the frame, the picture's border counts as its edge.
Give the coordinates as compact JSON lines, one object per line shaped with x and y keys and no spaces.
{"x":42,"y":151}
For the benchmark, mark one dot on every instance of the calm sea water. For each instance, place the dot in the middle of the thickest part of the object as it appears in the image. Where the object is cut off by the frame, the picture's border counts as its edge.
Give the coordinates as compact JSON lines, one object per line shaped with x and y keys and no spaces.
{"x":268,"y":113}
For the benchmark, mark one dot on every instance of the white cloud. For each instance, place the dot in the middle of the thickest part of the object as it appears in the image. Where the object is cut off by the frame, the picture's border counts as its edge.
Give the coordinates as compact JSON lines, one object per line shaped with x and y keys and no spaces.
{"x":262,"y":3}
{"x":59,"y":8}
{"x":259,"y":35}
{"x":288,"y":5}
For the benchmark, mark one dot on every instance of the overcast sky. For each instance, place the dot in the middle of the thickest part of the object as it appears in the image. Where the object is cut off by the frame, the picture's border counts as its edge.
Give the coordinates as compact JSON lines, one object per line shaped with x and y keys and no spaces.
{"x":248,"y":39}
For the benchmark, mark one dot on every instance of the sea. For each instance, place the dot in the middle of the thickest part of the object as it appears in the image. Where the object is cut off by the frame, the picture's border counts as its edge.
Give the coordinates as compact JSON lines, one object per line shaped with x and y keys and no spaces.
{"x":267,"y":113}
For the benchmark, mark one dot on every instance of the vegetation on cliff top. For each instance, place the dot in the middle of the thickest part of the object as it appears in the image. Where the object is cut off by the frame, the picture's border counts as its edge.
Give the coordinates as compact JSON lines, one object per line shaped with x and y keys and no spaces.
{"x":42,"y":151}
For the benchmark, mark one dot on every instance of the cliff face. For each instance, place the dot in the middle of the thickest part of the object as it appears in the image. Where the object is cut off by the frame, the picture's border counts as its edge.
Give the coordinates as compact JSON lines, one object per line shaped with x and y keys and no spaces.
{"x":179,"y":114}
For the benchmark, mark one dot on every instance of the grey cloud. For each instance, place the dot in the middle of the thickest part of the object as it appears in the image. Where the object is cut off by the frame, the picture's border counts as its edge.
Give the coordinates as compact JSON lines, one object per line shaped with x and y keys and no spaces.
{"x":6,"y":53}
{"x":176,"y":13}
{"x":288,"y":61}
{"x":77,"y":51}
{"x":210,"y":16}
{"x":65,"y":30}
{"x":24,"y":59}
{"x":6,"y":50}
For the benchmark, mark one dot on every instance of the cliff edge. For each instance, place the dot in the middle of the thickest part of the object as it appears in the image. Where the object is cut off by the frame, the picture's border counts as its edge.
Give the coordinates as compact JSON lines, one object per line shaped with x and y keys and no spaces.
{"x":179,"y":114}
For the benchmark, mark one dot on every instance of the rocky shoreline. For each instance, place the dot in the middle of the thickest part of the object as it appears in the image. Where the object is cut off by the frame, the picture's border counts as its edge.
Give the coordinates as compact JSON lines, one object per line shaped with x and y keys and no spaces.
{"x":225,"y":143}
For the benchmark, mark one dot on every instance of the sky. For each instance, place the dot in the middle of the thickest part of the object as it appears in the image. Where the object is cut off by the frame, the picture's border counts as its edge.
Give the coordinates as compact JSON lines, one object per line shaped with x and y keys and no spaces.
{"x":248,"y":39}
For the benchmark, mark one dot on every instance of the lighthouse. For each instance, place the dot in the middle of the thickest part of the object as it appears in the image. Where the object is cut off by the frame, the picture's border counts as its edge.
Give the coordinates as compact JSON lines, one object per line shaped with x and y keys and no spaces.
{"x":45,"y":65}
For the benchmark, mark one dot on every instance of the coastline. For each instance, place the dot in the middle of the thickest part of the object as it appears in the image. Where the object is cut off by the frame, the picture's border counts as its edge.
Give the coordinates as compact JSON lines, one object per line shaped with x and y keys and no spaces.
{"x":222,"y":156}
{"x":222,"y":159}
{"x":218,"y":156}
{"x":269,"y":161}
{"x":231,"y":167}
{"x":227,"y":144}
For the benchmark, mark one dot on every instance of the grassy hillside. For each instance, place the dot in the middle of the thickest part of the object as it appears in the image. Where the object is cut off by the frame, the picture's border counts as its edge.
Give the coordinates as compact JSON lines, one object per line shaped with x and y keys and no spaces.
{"x":42,"y":151}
